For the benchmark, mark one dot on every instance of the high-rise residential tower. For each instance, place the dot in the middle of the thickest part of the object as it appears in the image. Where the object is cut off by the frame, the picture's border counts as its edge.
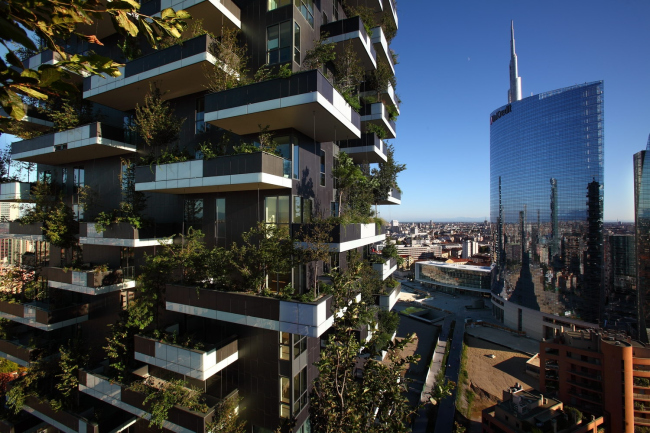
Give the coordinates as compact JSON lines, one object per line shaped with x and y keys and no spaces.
{"x":642,"y":223}
{"x":546,"y":200}
{"x":256,"y":151}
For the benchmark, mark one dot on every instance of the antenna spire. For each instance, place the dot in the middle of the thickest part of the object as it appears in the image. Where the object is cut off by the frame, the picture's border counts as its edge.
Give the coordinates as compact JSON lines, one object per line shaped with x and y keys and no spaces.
{"x":514,"y":93}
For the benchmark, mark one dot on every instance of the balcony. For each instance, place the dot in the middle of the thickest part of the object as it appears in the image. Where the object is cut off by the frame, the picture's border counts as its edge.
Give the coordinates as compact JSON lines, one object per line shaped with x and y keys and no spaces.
{"x":15,"y":191}
{"x":386,"y":269}
{"x":303,"y":318}
{"x":23,"y":422}
{"x":344,"y":237}
{"x":242,"y":172}
{"x":641,"y":421}
{"x":198,"y":364}
{"x":179,"y":419}
{"x":387,"y":96}
{"x":382,"y":49}
{"x":377,"y":114}
{"x":15,"y":230}
{"x":394,"y":197}
{"x":388,"y":299}
{"x":90,"y":282}
{"x":179,"y":69}
{"x":351,"y":31}
{"x":18,"y":351}
{"x":43,"y":316}
{"x":369,"y":148}
{"x":88,"y":142}
{"x":216,"y":14}
{"x":306,"y":102}
{"x":390,"y":8}
{"x":125,"y":235}
{"x":376,"y":5}
{"x":49,"y":57}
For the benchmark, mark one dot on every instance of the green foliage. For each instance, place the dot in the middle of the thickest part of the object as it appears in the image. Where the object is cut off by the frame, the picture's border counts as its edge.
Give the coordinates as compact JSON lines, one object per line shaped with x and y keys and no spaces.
{"x":390,"y":252}
{"x":315,"y":238}
{"x":320,"y":55}
{"x":285,"y":71}
{"x":59,"y":226}
{"x":262,"y":74}
{"x":169,"y":394}
{"x":385,"y":178}
{"x":575,"y":416}
{"x":156,"y":123}
{"x":392,"y":112}
{"x":132,"y":205}
{"x":119,"y":348}
{"x":366,"y":14}
{"x":352,"y":187}
{"x":348,"y":75}
{"x":69,"y":113}
{"x":389,"y":28}
{"x":231,"y":67}
{"x":210,"y":150}
{"x":245,"y":147}
{"x":641,"y":381}
{"x":267,"y":144}
{"x":441,"y":390}
{"x":226,"y":418}
{"x":387,"y":323}
{"x":379,"y":131}
{"x":130,"y":47}
{"x":57,"y":20}
{"x":7,"y":366}
{"x":73,"y":356}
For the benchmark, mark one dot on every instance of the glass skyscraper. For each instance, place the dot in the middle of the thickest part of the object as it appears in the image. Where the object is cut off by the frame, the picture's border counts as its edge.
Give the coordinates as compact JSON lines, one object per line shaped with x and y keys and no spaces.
{"x":642,"y":223}
{"x":546,"y":201}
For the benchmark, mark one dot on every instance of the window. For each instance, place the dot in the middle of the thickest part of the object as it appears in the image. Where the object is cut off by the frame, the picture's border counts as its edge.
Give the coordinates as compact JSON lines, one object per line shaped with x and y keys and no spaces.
{"x":302,"y":210}
{"x":64,"y":181}
{"x":296,"y":43}
{"x":78,"y":179}
{"x":199,"y":115}
{"x":300,"y":278}
{"x":130,"y":136}
{"x":334,"y":209}
{"x":299,"y":345}
{"x":335,"y":164}
{"x":306,"y":8}
{"x":296,"y":161}
{"x":285,"y":397}
{"x":78,"y":211}
{"x":299,"y":391}
{"x":335,"y":10}
{"x":276,"y":210}
{"x":45,"y":176}
{"x":285,"y":346}
{"x":278,"y":43}
{"x":305,"y":427}
{"x":322,"y":168}
{"x":220,"y":219}
{"x":274,"y":4}
{"x":193,"y":214}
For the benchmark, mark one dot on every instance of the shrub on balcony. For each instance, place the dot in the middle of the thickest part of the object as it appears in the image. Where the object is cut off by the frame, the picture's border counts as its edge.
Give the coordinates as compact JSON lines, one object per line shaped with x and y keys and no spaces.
{"x":385,"y":178}
{"x":231,"y":68}
{"x":130,"y":208}
{"x":642,"y":381}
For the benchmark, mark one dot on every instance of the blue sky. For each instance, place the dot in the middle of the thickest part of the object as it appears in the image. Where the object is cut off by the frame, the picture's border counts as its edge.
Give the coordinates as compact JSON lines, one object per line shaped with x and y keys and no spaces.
{"x":453,"y":72}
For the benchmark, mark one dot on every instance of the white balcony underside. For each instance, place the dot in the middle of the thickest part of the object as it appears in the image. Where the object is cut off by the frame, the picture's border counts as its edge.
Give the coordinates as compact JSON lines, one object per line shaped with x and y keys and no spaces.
{"x":131,"y":243}
{"x":82,"y":150}
{"x":362,"y":154}
{"x":92,"y":290}
{"x":14,"y":359}
{"x":29,"y":322}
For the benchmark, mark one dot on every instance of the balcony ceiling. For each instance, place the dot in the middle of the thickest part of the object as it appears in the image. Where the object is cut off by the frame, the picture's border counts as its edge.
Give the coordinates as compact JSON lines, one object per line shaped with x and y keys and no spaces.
{"x":84,"y":153}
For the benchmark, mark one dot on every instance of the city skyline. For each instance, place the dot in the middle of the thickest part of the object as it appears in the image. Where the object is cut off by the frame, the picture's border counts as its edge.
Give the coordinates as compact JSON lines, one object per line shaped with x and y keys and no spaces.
{"x":444,"y":125}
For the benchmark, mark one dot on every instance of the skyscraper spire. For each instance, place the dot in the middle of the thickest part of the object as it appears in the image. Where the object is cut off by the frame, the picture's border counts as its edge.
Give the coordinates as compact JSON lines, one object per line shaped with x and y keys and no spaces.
{"x":514,"y":93}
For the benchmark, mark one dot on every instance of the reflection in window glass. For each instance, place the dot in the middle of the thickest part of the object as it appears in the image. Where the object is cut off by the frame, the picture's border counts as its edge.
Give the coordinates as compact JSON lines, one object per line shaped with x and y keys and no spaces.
{"x":285,"y":397}
{"x":296,"y":43}
{"x":322,"y":168}
{"x":300,"y":391}
{"x":276,"y":210}
{"x":285,"y":346}
{"x":193,"y":214}
{"x":220,"y":220}
{"x":296,"y":161}
{"x":306,"y":8}
{"x":274,"y":4}
{"x":278,"y":43}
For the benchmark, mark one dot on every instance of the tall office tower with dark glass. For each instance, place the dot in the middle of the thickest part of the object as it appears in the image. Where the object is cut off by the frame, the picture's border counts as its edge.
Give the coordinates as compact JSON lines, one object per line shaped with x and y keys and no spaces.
{"x":620,"y":310}
{"x":264,"y":127}
{"x":546,"y":199}
{"x":642,"y":223}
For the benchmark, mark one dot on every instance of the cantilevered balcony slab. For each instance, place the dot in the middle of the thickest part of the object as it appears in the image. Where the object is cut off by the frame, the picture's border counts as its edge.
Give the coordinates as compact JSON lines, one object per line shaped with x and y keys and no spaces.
{"x":375,"y":5}
{"x":125,"y":235}
{"x":343,"y":237}
{"x":40,"y":316}
{"x":306,"y":101}
{"x":34,"y":120}
{"x":15,"y":230}
{"x":49,"y":57}
{"x":87,"y":142}
{"x":16,"y":352}
{"x":242,"y":172}
{"x":380,"y":43}
{"x":388,"y":299}
{"x":198,"y":364}
{"x":15,"y":191}
{"x":387,"y":96}
{"x":305,"y":318}
{"x":90,"y":282}
{"x":390,"y":9}
{"x":386,"y":269}
{"x":216,"y":14}
{"x":351,"y":31}
{"x":378,"y":115}
{"x":369,"y":148}
{"x":394,"y":198}
{"x":179,"y":70}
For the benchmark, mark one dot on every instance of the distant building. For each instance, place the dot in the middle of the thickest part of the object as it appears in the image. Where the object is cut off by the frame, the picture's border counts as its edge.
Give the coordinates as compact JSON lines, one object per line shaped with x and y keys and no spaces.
{"x":642,"y":220}
{"x":452,"y":277}
{"x":520,"y":411}
{"x":620,"y":299}
{"x":470,"y":248}
{"x":600,"y":373}
{"x":394,"y":223}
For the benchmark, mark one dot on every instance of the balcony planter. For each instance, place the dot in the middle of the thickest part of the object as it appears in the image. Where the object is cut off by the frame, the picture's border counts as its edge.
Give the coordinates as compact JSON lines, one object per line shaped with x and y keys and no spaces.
{"x":388,"y":300}
{"x":306,"y":101}
{"x":178,"y":69}
{"x":344,"y":237}
{"x":351,"y":31}
{"x":369,"y":148}
{"x":381,"y":46}
{"x":87,"y":142}
{"x":378,"y":115}
{"x":241,"y":172}
{"x":90,"y":282}
{"x":16,"y":352}
{"x":304,"y":318}
{"x":386,"y":269}
{"x":179,"y":419}
{"x":198,"y":364}
{"x":15,"y":230}
{"x":42,"y":317}
{"x":125,"y":235}
{"x":394,"y":198}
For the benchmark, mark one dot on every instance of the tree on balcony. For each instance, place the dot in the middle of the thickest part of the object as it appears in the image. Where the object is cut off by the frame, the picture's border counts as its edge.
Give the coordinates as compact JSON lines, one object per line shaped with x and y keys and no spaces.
{"x":385,"y":176}
{"x":231,"y":68}
{"x":348,"y":76}
{"x":131,"y":207}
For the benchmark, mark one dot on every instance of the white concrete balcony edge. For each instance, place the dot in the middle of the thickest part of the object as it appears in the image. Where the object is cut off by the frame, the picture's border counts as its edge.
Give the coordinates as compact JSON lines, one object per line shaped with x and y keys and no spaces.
{"x":378,"y":113}
{"x":14,"y":359}
{"x":92,"y":290}
{"x":384,"y":269}
{"x":29,"y":321}
{"x":53,"y":422}
{"x":186,"y":4}
{"x":346,"y":246}
{"x":381,"y":46}
{"x":363,"y":38}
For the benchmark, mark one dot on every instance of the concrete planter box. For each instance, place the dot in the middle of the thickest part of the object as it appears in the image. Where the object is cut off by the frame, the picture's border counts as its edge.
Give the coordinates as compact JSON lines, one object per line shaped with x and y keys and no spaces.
{"x":65,"y":421}
{"x":388,"y":301}
{"x":344,"y":237}
{"x":125,"y":235}
{"x":351,"y":31}
{"x":199,"y":364}
{"x":16,"y":352}
{"x":385,"y":270}
{"x":43,"y":318}
{"x":88,"y":282}
{"x":15,"y":230}
{"x":378,"y":115}
{"x":304,"y":318}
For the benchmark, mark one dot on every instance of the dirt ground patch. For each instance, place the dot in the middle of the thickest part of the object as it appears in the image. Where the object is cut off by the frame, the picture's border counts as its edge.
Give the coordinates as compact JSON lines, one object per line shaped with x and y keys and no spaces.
{"x":488,"y":377}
